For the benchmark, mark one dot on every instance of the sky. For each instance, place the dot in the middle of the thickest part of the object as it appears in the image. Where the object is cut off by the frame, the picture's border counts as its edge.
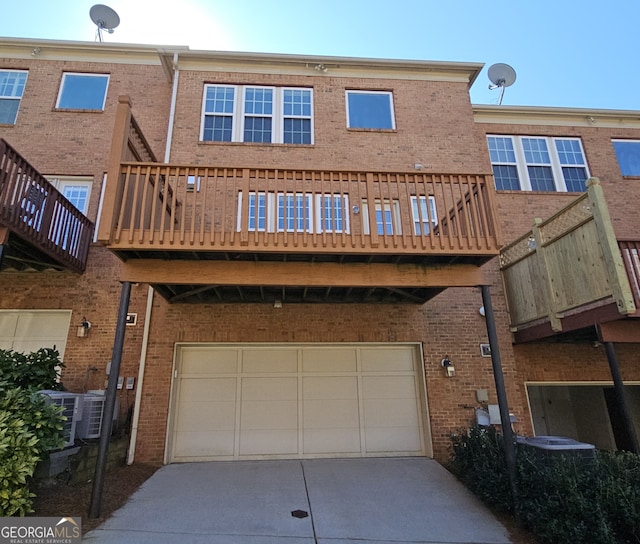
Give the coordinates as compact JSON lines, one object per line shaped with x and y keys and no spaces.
{"x":566,"y":53}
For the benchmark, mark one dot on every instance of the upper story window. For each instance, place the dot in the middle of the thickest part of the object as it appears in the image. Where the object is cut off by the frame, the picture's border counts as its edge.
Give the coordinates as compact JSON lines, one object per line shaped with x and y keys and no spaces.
{"x":75,"y":190}
{"x":628,"y":155}
{"x":232,"y":113}
{"x":12,"y":84}
{"x":370,"y":110}
{"x":531,"y":163}
{"x":82,"y":91}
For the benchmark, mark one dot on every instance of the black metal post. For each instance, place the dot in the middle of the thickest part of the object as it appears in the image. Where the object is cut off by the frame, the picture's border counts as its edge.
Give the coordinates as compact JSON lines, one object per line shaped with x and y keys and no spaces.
{"x":110,"y":402}
{"x":503,"y":404}
{"x":618,"y":386}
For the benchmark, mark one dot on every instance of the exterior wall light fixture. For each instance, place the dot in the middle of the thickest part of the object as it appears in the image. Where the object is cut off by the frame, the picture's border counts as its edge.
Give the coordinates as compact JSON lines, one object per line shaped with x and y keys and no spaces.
{"x":83,"y":328}
{"x":449,"y":369}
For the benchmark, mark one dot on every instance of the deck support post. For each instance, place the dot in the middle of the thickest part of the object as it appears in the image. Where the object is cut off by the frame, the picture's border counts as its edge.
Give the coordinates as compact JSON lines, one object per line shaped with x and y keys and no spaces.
{"x":618,"y":386}
{"x":110,"y":402}
{"x":503,"y":404}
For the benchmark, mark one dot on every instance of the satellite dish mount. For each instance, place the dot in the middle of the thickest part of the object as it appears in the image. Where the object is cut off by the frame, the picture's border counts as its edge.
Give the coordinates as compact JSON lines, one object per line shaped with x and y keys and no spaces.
{"x":104,"y":18}
{"x":501,"y":76}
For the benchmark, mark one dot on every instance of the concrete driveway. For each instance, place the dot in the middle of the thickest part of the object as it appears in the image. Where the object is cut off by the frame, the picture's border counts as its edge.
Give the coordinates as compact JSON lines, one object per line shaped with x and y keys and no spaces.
{"x":368,"y":501}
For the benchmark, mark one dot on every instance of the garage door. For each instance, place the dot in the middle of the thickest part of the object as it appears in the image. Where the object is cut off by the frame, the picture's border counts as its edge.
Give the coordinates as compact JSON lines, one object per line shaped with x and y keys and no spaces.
{"x":233,"y":402}
{"x":29,"y":330}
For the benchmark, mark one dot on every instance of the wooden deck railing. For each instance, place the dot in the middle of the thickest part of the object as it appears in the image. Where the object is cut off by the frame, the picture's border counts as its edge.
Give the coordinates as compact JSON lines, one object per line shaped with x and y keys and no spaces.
{"x":153,"y":206}
{"x":173,"y":207}
{"x":34,"y":210}
{"x":631,"y":256}
{"x":569,"y":261}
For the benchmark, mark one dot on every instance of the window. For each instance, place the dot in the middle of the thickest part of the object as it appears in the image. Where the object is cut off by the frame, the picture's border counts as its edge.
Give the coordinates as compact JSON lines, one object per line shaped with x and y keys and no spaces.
{"x":386,"y":216}
{"x":424,"y":217}
{"x":11,"y":89}
{"x":537,"y":163}
{"x":83,"y":92}
{"x":77,"y":191}
{"x":333,"y":213}
{"x":370,"y":110}
{"x":295,"y":212}
{"x":628,"y":155}
{"x":257,"y":114}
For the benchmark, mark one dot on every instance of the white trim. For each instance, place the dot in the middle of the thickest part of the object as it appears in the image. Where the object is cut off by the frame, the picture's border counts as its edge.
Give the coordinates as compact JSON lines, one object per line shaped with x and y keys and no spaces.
{"x":82,"y":74}
{"x":554,"y":163}
{"x":389,"y":94}
{"x":238,"y":115}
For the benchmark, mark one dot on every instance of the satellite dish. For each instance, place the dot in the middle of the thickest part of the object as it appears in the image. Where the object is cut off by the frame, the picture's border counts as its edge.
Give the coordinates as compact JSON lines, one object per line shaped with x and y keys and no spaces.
{"x":104,"y":18}
{"x":501,"y":76}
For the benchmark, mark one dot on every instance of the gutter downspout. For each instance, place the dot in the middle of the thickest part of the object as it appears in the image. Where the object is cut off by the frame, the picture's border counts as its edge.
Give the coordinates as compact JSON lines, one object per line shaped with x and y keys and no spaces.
{"x":147,"y":323}
{"x":141,"y":368}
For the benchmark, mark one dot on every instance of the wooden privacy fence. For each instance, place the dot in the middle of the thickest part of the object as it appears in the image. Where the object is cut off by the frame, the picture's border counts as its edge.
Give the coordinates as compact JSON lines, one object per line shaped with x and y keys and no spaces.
{"x":566,"y":262}
{"x":37,"y":212}
{"x":176,"y":207}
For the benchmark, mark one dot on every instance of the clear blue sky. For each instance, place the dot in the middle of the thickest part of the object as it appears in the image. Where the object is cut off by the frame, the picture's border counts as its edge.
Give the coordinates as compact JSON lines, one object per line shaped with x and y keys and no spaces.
{"x":567,"y":53}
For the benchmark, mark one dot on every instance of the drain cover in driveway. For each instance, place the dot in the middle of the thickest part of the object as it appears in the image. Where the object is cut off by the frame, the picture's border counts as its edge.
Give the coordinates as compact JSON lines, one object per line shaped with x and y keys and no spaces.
{"x":300,"y":514}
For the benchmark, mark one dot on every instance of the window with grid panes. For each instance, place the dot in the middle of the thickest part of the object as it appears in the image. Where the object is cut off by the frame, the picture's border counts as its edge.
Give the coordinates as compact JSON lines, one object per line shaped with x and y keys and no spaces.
{"x":12,"y":83}
{"x":237,"y":113}
{"x":534,"y":163}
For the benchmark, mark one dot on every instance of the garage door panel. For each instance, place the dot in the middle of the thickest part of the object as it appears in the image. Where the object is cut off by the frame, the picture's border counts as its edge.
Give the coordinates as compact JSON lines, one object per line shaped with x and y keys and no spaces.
{"x":317,"y":441}
{"x":381,"y":359}
{"x":269,"y":414}
{"x":326,"y":388}
{"x":269,"y":389}
{"x":392,"y":439}
{"x":27,"y":331}
{"x":389,"y":387}
{"x":269,"y":442}
{"x":203,"y":361}
{"x":320,"y":414}
{"x":204,"y":444}
{"x":299,"y":400}
{"x":221,"y":389}
{"x":329,"y":360}
{"x":389,"y":412}
{"x":270,"y":361}
{"x":206,"y":416}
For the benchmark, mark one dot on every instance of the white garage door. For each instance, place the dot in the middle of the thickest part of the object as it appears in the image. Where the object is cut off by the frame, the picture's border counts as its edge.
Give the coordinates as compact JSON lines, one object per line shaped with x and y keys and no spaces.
{"x":232,"y":402}
{"x":29,"y":330}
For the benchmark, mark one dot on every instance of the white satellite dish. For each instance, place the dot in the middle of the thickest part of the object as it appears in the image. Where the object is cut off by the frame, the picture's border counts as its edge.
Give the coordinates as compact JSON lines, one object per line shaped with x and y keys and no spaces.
{"x":104,"y":18}
{"x":501,"y":76}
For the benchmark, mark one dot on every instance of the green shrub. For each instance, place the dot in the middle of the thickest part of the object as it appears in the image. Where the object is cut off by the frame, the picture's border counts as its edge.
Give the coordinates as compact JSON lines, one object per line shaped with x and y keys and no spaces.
{"x":29,"y":426}
{"x":38,"y":370}
{"x":561,"y":499}
{"x":478,"y":460}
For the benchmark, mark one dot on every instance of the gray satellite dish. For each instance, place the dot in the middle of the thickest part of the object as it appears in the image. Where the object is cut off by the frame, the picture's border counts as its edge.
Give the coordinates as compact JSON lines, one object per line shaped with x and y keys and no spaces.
{"x":104,"y":18}
{"x":501,"y":76}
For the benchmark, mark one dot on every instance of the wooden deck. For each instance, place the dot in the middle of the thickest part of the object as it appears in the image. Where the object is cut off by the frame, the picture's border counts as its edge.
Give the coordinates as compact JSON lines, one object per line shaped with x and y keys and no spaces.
{"x":154,"y":210}
{"x":39,"y":228}
{"x":210,"y":233}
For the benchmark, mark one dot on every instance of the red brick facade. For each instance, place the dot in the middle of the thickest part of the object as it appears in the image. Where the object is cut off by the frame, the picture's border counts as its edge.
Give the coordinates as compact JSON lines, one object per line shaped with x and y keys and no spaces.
{"x":434,"y":127}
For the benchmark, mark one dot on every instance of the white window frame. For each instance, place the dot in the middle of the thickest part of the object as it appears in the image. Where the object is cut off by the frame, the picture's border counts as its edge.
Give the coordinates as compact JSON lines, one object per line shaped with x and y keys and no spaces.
{"x":554,"y":160}
{"x":625,"y":141}
{"x":314,"y":222}
{"x":286,"y":217}
{"x":82,"y":74}
{"x":392,"y":113}
{"x":425,"y":219}
{"x":338,"y":202}
{"x":383,"y":207}
{"x":13,"y":96}
{"x":62,"y":183}
{"x":239,"y":116}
